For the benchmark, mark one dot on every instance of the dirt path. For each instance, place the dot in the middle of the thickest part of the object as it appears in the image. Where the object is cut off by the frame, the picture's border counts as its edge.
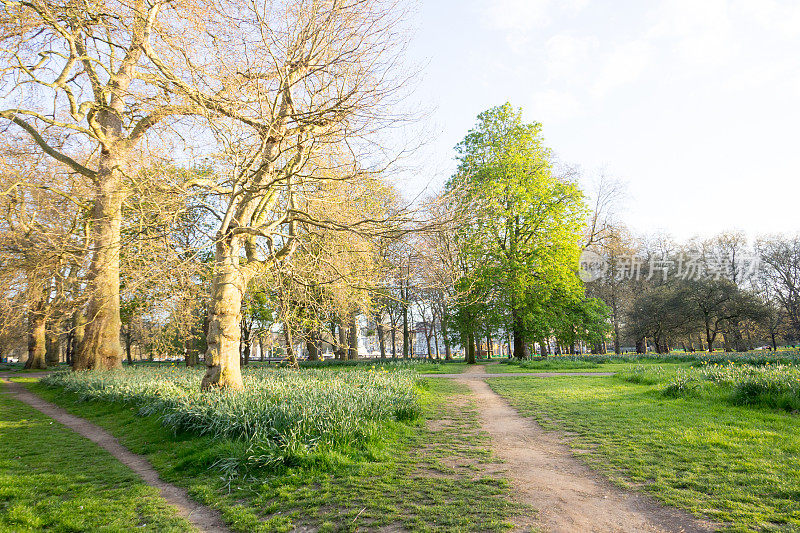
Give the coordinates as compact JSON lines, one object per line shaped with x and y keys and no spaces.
{"x":569,"y":496}
{"x":201,"y":517}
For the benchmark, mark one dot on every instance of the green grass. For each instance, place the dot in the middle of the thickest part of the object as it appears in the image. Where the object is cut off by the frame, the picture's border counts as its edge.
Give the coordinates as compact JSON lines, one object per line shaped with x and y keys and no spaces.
{"x":20,"y":367}
{"x":737,"y":465}
{"x":422,"y":366}
{"x":53,"y":479}
{"x":565,"y":364}
{"x":413,"y":476}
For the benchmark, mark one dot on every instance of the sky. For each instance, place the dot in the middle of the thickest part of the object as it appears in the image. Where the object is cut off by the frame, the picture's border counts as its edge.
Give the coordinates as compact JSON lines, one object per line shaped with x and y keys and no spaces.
{"x":693,"y":104}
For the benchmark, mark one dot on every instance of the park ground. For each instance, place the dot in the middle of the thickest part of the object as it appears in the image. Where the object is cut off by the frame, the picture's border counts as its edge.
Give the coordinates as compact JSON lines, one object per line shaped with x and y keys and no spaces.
{"x":653,"y":443}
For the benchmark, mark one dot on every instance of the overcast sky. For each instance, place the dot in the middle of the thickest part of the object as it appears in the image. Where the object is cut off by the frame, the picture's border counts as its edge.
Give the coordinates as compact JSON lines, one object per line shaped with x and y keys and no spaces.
{"x":695,"y":104}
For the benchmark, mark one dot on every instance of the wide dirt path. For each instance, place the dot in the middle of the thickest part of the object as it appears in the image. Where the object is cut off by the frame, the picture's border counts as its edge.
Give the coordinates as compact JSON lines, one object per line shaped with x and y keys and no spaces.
{"x":569,"y":496}
{"x":201,"y":517}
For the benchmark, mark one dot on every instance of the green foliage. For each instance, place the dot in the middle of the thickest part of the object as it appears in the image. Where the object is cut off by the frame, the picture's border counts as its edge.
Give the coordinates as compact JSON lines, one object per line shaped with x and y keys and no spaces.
{"x":518,"y":243}
{"x":282,"y":415}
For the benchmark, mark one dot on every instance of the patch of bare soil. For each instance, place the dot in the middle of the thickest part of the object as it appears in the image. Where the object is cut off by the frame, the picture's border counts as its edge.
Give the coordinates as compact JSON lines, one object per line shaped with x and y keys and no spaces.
{"x":201,"y":517}
{"x":570,"y":496}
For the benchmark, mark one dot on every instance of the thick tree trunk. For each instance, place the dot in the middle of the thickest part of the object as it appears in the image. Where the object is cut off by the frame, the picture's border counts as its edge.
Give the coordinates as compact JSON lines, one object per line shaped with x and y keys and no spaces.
{"x":191,"y":357}
{"x":394,"y":341}
{"x":470,"y":347}
{"x":311,"y":346}
{"x":641,"y":346}
{"x":519,"y":334}
{"x":710,"y":340}
{"x":52,"y":348}
{"x":101,"y":347}
{"x":37,"y":339}
{"x":224,"y":324}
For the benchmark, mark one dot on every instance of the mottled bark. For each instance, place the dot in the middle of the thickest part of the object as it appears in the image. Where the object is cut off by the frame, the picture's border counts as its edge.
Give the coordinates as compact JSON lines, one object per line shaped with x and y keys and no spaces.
{"x":101,"y":348}
{"x":224,"y":319}
{"x":36,"y":341}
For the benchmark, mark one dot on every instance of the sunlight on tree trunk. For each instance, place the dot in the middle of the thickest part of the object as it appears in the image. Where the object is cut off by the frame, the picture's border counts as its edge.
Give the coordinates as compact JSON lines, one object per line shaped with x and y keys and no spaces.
{"x":224,"y":331}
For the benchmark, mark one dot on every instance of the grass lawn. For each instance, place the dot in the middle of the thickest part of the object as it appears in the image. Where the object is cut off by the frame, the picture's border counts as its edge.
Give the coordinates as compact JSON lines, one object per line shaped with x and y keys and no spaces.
{"x":415,"y":477}
{"x":738,"y":465}
{"x":555,"y":364}
{"x":53,"y":479}
{"x":20,"y":367}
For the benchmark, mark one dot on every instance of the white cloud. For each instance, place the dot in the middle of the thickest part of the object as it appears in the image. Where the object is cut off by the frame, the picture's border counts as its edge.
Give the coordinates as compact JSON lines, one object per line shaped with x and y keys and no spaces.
{"x":567,"y":56}
{"x":781,"y":18}
{"x":625,"y":65}
{"x":700,"y":32}
{"x":518,"y":18}
{"x":552,"y":106}
{"x":517,"y":15}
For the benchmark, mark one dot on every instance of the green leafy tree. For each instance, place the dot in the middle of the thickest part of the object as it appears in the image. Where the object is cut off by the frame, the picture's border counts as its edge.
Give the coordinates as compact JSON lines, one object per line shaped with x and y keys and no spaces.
{"x":522,"y":224}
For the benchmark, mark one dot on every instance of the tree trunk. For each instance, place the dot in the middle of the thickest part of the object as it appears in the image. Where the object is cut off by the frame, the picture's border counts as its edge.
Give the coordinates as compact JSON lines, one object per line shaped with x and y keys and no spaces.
{"x":352,"y":338}
{"x":37,"y":339}
{"x":406,"y":346}
{"x":470,"y":355}
{"x":518,"y":332}
{"x":641,"y":346}
{"x":224,"y":323}
{"x":341,"y":351}
{"x":311,"y":346}
{"x":394,"y":341}
{"x":287,"y":337}
{"x":191,"y":357}
{"x":448,"y":351}
{"x":128,"y":344}
{"x":52,"y":348}
{"x":101,"y":348}
{"x":436,"y":341}
{"x":381,"y":340}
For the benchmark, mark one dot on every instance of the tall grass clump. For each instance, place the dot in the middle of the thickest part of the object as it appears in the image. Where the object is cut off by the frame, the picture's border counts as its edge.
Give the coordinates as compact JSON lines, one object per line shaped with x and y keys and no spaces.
{"x":642,"y":375}
{"x":769,"y":385}
{"x":281,"y":414}
{"x":682,"y":384}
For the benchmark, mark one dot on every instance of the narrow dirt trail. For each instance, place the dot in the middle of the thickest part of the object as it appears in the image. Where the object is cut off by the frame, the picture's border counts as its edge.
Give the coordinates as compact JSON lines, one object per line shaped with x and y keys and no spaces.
{"x":569,"y":496}
{"x":202,"y":517}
